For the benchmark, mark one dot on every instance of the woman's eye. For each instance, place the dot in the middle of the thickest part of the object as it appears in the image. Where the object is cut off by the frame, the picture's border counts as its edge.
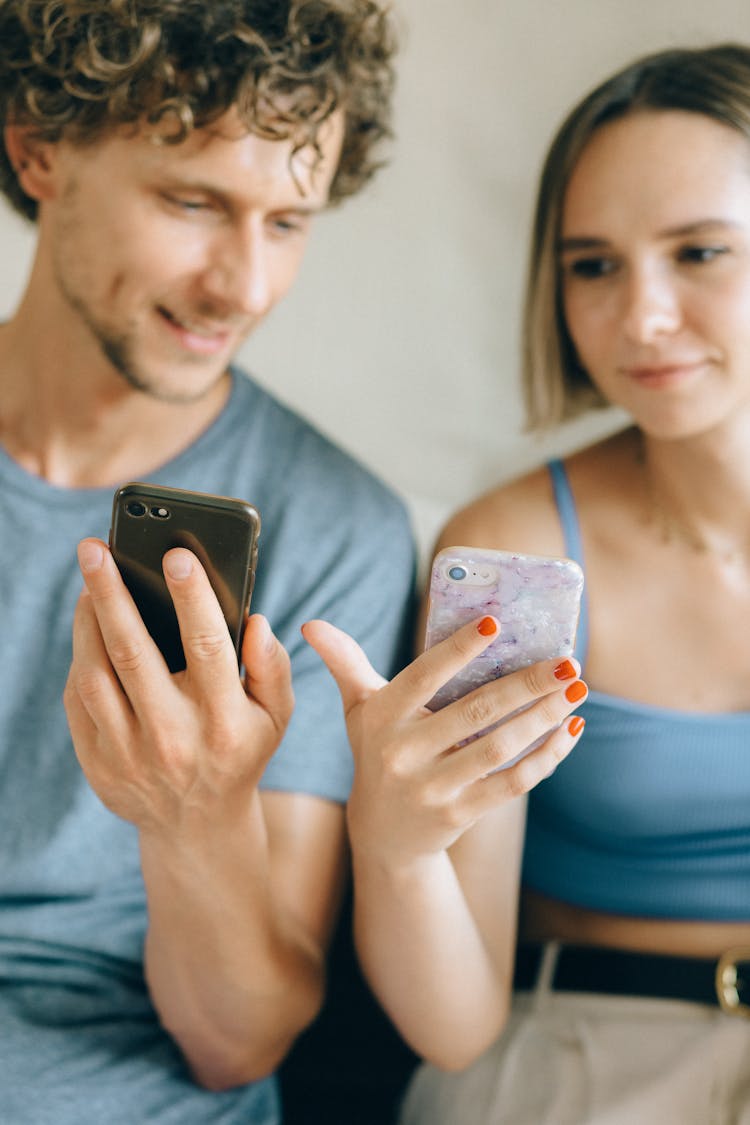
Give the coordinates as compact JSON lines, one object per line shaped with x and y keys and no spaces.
{"x":698,"y":254}
{"x":588,"y":268}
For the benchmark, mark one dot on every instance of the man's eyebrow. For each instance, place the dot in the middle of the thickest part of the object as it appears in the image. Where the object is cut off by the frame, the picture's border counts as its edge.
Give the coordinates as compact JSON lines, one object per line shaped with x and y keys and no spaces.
{"x":699,"y":226}
{"x":300,"y":206}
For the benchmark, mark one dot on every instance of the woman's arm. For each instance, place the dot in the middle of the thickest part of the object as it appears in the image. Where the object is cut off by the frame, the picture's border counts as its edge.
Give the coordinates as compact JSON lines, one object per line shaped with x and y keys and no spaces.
{"x":436,"y":830}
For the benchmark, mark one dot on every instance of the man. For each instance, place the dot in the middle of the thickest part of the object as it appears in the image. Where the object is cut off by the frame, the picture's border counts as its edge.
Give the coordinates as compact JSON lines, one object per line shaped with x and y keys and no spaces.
{"x":167,"y":891}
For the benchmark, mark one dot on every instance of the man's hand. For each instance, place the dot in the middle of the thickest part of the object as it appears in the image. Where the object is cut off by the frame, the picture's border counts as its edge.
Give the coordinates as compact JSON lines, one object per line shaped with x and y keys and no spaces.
{"x":241,"y":886}
{"x":154,"y":745}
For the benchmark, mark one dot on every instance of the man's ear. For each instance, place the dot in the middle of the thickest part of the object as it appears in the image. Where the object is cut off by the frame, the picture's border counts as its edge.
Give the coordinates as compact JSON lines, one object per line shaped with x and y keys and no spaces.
{"x":33,"y":160}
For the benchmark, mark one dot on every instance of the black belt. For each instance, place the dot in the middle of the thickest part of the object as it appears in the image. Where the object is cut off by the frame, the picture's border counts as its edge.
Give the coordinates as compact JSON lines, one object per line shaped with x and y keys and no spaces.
{"x":577,"y":968}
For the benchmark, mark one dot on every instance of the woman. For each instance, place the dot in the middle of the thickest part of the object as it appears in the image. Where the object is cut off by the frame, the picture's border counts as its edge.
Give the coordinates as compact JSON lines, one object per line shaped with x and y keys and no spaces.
{"x":635,"y":907}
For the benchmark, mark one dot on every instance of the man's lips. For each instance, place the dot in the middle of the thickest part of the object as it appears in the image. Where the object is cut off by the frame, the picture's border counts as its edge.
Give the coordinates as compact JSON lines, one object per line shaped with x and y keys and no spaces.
{"x":196,"y":336}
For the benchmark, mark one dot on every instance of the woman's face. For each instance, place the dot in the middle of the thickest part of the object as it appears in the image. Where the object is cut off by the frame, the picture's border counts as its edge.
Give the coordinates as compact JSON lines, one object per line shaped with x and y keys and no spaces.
{"x":655,"y":268}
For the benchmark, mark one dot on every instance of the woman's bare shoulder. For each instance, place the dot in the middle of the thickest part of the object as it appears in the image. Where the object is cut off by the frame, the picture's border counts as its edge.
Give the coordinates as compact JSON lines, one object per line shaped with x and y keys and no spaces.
{"x":519,"y":515}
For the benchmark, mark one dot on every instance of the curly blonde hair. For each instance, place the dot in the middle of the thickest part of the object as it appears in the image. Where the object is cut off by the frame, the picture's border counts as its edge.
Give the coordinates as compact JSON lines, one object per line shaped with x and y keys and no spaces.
{"x":81,"y":68}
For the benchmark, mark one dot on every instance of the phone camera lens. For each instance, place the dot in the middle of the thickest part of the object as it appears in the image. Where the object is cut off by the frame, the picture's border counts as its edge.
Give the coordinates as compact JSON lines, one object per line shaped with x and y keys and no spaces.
{"x":135,"y":508}
{"x":457,"y":573}
{"x":160,"y":513}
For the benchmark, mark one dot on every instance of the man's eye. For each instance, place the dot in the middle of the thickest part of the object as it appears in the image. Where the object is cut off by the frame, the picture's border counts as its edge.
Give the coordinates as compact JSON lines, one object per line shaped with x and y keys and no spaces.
{"x":284,"y":225}
{"x":699,"y":254}
{"x":186,"y":203}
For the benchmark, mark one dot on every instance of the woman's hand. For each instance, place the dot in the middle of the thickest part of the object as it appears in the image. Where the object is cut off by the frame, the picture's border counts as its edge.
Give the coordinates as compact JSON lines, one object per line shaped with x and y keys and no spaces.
{"x":419,"y":785}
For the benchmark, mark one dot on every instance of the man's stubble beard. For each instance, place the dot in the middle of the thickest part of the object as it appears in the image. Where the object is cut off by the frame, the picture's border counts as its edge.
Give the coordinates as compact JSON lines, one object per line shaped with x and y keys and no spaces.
{"x":118,"y":348}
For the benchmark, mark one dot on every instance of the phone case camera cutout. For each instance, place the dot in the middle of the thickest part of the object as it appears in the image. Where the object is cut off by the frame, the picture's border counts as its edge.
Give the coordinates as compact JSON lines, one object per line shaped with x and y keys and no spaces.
{"x":149,"y":519}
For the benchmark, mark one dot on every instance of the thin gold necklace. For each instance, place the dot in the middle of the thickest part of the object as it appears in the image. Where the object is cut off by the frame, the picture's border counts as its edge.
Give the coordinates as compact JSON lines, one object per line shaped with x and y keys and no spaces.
{"x":673,"y":528}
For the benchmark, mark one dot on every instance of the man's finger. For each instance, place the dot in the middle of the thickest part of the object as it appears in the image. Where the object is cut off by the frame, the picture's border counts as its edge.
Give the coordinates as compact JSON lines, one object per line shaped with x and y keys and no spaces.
{"x":130,"y":649}
{"x":209,"y":653}
{"x":268,"y":677}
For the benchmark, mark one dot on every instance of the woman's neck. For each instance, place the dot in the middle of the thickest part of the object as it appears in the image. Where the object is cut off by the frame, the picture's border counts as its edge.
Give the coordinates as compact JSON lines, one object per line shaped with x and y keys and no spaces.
{"x":698,"y":489}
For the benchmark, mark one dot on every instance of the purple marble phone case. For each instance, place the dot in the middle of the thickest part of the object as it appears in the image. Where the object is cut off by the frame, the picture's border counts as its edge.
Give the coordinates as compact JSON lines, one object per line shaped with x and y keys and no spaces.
{"x":535,"y":598}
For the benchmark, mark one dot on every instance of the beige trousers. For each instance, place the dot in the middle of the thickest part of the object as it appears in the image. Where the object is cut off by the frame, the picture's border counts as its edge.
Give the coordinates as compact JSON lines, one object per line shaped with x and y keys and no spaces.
{"x":575,"y":1059}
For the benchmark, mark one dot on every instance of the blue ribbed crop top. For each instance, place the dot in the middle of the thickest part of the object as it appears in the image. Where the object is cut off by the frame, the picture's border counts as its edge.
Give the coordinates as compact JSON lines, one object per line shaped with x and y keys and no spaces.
{"x":650,"y":814}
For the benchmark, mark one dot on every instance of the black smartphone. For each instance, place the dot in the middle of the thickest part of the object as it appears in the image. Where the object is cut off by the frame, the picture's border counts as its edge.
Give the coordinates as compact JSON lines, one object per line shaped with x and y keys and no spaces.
{"x":150,"y":519}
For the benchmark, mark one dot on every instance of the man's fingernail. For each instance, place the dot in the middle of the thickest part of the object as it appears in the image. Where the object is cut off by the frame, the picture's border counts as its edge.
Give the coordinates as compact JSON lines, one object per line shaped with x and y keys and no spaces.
{"x":269,"y":640}
{"x":178,"y":564}
{"x":90,"y":556}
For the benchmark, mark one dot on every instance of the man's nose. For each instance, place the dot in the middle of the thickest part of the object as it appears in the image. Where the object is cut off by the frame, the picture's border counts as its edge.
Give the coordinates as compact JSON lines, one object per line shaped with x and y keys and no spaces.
{"x":240,"y":274}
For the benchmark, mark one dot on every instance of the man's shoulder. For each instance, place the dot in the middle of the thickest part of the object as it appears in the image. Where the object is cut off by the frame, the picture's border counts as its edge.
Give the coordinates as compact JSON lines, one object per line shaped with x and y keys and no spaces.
{"x":306,"y":458}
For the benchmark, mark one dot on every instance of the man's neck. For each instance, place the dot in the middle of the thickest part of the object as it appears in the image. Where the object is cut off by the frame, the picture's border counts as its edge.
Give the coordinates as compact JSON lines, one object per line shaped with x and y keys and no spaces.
{"x":79,"y":425}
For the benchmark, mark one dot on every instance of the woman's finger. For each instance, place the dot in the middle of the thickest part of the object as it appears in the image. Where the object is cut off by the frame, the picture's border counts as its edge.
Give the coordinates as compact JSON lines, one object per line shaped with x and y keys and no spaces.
{"x":490,"y":704}
{"x":355,"y":676}
{"x":520,"y":778}
{"x":414,"y":687}
{"x":504,"y":744}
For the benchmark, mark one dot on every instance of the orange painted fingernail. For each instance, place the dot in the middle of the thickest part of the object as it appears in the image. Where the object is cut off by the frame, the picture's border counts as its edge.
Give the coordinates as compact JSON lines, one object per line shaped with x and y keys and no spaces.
{"x":576,"y":692}
{"x":565,"y":671}
{"x":576,"y":725}
{"x":487,"y":626}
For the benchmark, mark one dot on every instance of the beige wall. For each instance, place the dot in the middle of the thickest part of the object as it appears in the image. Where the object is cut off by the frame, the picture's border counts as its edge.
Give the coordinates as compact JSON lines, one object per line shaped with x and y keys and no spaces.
{"x":400,"y":338}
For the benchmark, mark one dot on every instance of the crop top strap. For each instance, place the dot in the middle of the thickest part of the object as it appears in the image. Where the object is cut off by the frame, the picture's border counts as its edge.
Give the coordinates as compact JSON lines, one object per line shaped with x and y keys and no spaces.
{"x":571,"y":530}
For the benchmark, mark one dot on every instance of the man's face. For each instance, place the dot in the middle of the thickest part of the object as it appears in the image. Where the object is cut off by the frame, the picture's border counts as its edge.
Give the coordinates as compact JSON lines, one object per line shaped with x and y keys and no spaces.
{"x":167,"y":256}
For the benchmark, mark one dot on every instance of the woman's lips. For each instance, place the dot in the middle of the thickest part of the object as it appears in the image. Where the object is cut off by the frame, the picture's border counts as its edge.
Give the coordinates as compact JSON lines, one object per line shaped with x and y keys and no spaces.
{"x":664,"y":375}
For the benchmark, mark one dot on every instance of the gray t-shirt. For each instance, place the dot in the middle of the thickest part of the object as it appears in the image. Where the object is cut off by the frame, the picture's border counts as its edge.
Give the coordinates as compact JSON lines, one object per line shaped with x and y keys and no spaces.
{"x":79,"y":1039}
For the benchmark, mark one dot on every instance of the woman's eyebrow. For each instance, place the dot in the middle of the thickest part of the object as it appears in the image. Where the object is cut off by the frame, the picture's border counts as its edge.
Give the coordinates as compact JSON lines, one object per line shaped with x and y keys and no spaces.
{"x":583,"y":242}
{"x":697,"y":226}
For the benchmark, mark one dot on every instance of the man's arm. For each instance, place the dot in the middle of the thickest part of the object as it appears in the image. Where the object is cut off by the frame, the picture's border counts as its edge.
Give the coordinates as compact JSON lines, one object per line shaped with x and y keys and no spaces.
{"x":241,"y":887}
{"x":239,"y":920}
